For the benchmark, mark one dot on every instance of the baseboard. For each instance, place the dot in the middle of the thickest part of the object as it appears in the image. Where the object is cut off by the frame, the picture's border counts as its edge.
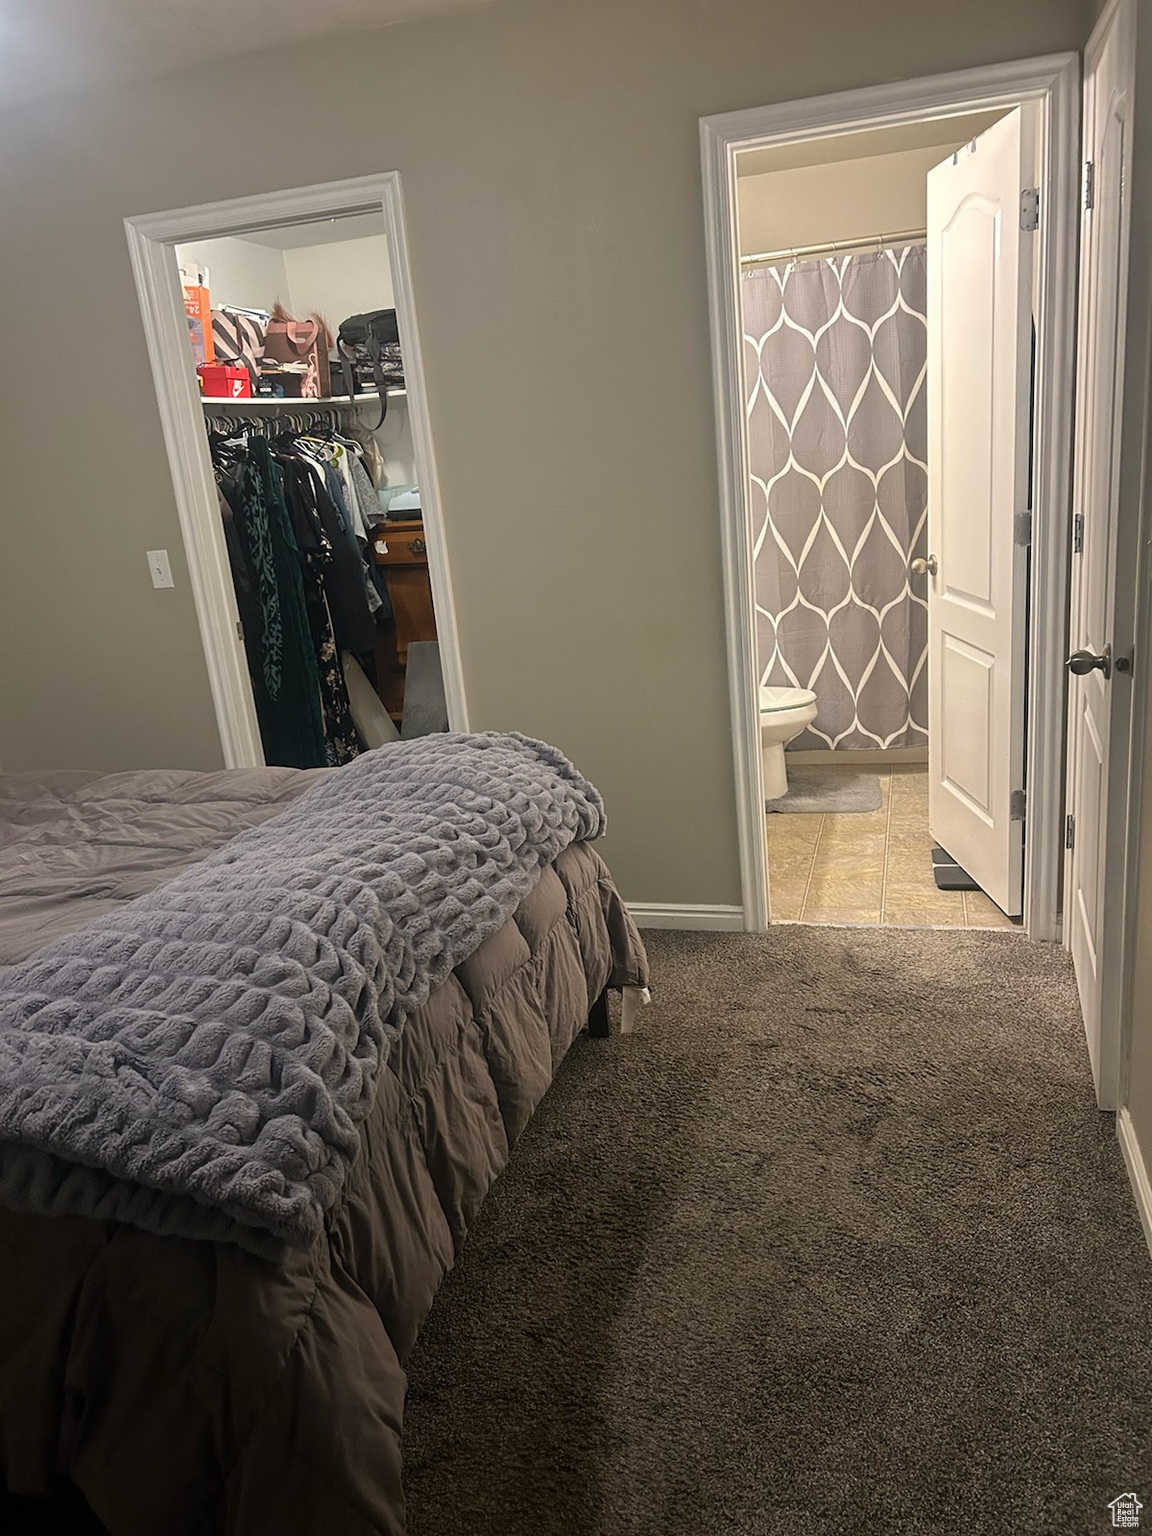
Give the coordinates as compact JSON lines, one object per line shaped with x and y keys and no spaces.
{"x":1137,"y":1172}
{"x":670,"y":915}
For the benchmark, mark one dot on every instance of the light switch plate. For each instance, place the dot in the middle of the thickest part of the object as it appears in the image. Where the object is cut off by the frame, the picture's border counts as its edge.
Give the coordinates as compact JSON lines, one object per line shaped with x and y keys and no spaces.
{"x":159,"y":568}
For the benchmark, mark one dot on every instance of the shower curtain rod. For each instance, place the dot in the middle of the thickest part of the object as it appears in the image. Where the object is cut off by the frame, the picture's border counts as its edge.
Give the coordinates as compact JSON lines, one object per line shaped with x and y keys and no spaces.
{"x":834,"y":247}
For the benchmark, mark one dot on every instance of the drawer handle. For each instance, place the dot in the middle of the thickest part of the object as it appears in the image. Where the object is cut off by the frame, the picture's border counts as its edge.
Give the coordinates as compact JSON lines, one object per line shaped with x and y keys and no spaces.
{"x":417,"y":546}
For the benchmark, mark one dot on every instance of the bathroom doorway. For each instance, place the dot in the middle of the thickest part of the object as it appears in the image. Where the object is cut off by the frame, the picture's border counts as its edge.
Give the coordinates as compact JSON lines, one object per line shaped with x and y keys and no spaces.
{"x":825,"y":437}
{"x":834,"y":290}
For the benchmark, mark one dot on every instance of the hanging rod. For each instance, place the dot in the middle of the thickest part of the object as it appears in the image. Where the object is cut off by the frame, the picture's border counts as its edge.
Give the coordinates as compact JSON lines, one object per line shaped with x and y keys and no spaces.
{"x":334,"y":414}
{"x":835,"y":247}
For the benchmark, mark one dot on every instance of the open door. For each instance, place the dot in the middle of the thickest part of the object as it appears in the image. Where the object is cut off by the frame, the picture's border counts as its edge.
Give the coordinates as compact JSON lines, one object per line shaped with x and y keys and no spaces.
{"x":979,"y":406}
{"x":1109,"y":62}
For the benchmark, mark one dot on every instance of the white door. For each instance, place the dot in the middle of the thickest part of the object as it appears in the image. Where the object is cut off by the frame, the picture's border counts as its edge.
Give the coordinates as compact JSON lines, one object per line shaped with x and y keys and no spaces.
{"x":1108,"y":86}
{"x":979,"y":407}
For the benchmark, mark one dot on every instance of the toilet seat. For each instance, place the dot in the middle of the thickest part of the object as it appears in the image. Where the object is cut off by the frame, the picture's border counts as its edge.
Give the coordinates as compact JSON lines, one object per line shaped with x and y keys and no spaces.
{"x":773,"y":699}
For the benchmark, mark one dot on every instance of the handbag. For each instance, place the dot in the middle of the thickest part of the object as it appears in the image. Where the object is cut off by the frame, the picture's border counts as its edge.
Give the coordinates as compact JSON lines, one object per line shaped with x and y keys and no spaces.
{"x":371,"y":343}
{"x":295,"y":342}
{"x":238,"y":339}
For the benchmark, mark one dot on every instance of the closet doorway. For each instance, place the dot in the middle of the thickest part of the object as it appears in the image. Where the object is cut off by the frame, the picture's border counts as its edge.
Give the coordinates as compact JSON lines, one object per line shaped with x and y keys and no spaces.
{"x":827,"y":561}
{"x":343,"y":633}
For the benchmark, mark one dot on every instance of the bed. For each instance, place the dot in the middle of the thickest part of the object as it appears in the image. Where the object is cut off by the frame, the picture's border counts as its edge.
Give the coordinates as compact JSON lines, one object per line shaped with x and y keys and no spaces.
{"x":168,"y":1381}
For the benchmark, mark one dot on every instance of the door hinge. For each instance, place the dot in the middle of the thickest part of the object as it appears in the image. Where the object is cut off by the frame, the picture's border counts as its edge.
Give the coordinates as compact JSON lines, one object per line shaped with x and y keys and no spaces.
{"x":239,"y":631}
{"x":1030,"y":208}
{"x":1078,"y":534}
{"x":1018,"y":805}
{"x":1069,"y":831}
{"x":1024,"y":528}
{"x":1089,"y":184}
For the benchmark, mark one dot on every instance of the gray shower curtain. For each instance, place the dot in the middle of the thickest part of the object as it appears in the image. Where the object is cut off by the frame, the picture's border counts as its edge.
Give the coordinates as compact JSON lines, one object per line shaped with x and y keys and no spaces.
{"x":835,"y":355}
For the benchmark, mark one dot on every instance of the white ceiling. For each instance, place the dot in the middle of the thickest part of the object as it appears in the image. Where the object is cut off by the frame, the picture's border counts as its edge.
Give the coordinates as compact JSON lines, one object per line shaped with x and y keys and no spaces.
{"x":290,"y":237}
{"x":942,"y":131}
{"x":52,"y":46}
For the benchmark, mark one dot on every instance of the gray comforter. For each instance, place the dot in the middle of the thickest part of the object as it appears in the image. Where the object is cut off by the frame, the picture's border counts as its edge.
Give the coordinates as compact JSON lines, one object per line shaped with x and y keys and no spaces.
{"x":75,"y":844}
{"x":198,"y":1061}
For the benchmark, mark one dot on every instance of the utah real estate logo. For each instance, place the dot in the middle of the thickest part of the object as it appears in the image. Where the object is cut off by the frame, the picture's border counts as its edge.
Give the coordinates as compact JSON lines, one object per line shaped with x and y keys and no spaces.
{"x":1125,"y":1510}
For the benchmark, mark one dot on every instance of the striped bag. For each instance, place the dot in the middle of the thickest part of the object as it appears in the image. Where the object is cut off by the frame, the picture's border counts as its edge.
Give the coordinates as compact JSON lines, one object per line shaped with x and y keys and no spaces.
{"x":238,"y":336}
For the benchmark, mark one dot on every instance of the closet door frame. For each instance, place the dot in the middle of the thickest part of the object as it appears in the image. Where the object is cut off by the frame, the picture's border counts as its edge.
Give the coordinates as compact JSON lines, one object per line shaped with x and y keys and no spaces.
{"x":151,"y":241}
{"x":1052,"y":84}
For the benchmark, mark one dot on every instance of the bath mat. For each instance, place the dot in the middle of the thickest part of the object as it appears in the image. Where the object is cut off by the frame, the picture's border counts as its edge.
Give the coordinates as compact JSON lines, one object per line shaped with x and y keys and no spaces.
{"x":828,"y":792}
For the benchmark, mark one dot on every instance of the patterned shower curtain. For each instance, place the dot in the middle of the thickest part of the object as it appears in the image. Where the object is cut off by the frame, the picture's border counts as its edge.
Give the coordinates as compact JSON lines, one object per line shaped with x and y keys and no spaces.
{"x":835,"y":355}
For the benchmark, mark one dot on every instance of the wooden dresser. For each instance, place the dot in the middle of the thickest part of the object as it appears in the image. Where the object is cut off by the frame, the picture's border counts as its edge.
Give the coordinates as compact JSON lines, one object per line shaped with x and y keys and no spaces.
{"x":401,"y":553}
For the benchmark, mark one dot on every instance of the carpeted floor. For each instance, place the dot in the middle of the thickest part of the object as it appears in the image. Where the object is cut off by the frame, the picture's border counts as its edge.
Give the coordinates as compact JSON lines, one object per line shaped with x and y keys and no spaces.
{"x":837,"y":1242}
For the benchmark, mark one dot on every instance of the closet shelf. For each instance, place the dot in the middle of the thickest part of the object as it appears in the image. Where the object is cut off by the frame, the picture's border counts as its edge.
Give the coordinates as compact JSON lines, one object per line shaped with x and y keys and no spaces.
{"x":289,"y":403}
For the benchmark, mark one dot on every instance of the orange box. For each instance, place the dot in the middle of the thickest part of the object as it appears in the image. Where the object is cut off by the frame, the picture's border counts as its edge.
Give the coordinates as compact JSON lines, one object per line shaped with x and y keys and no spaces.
{"x":198,"y":308}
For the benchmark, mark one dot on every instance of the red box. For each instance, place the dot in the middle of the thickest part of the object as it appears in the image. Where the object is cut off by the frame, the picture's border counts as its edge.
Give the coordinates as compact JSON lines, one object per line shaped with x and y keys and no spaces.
{"x":220,"y":382}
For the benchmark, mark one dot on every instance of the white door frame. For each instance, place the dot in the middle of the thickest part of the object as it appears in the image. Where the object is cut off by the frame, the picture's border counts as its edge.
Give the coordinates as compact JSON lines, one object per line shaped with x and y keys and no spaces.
{"x":150,"y":241}
{"x":1053,"y":84}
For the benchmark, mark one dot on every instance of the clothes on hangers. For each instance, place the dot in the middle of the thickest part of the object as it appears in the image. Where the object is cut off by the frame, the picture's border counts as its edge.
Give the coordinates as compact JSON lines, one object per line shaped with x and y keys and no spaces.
{"x":370,"y":509}
{"x":321,"y":556}
{"x":318,"y":523}
{"x":243,"y":581}
{"x":338,"y":458}
{"x":370,"y":455}
{"x":300,"y":587}
{"x":287,"y":682}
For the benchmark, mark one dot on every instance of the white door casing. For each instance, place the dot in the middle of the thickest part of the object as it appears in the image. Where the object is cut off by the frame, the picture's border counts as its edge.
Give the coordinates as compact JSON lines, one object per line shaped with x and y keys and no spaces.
{"x":1049,"y":86}
{"x":980,"y":263}
{"x":150,"y":241}
{"x":1108,"y":89}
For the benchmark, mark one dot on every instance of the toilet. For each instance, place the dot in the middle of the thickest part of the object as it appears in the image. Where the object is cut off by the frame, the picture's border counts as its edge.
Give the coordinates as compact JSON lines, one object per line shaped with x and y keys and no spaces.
{"x":784,"y":712}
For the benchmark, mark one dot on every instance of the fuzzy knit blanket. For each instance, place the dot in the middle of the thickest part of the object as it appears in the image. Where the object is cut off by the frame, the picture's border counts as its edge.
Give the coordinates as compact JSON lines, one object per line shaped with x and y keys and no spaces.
{"x":199,"y":1061}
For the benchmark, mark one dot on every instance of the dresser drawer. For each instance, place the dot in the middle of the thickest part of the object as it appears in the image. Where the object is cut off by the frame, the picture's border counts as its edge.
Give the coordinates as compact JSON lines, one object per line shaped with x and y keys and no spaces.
{"x":399,"y":544}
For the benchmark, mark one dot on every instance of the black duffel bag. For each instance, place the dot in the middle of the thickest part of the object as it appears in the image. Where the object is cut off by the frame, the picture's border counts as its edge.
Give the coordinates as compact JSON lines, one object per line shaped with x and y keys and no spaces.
{"x":371,"y":344}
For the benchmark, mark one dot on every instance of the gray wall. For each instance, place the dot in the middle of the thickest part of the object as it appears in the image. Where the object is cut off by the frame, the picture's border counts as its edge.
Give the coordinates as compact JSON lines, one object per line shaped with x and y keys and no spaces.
{"x":1137,"y":1090}
{"x":550,"y":159}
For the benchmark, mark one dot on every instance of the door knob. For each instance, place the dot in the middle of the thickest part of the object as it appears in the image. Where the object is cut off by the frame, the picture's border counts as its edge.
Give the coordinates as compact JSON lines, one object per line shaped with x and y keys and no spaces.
{"x":919,"y":566}
{"x":1080,"y":663}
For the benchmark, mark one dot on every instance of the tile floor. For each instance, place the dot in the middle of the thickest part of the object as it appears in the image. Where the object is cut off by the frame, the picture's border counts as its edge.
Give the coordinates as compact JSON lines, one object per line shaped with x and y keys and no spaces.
{"x":869,"y":868}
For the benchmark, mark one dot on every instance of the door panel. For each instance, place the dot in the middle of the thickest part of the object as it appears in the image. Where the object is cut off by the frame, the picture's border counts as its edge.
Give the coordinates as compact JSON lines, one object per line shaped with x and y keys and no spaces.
{"x":1108,"y":85}
{"x":967,"y":747}
{"x":967,"y":391}
{"x":979,"y":401}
